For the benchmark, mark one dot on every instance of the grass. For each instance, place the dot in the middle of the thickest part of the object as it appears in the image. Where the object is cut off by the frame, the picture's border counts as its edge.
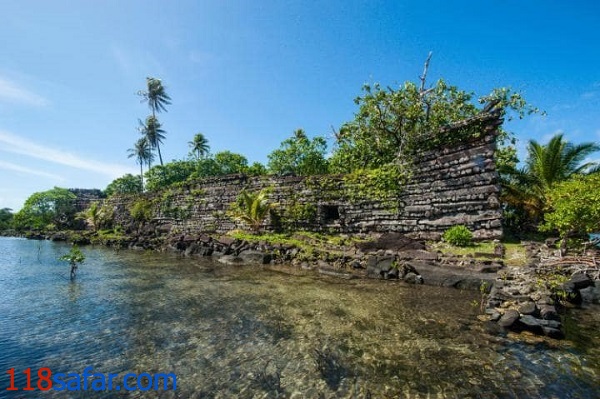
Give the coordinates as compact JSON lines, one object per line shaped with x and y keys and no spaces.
{"x":514,"y":255}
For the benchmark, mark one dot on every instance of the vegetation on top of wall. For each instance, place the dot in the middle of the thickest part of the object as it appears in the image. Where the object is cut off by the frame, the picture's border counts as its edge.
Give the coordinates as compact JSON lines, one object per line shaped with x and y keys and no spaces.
{"x":47,"y":210}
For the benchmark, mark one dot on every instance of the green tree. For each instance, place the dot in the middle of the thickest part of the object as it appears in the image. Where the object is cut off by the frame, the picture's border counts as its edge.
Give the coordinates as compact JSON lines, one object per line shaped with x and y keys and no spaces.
{"x":6,"y":217}
{"x":93,"y":215}
{"x":152,"y":130}
{"x":256,"y":169}
{"x":393,"y":123}
{"x":199,"y":146}
{"x":252,"y":209}
{"x":74,"y":257}
{"x":546,"y":165}
{"x":299,"y":156}
{"x":229,"y":163}
{"x":159,"y":177}
{"x":157,"y":98}
{"x":142,"y":153}
{"x":574,"y":206}
{"x":127,"y":184}
{"x":42,"y":210}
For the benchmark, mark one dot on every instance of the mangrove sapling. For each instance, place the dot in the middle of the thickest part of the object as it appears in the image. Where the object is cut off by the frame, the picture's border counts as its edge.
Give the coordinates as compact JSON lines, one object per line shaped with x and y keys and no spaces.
{"x":74,"y":257}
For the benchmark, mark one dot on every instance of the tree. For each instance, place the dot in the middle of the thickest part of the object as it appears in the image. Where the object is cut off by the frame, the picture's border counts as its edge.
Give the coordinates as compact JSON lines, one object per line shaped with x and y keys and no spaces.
{"x":159,"y":177}
{"x":156,"y":97}
{"x":545,"y":166}
{"x":74,"y":257}
{"x":152,"y":131}
{"x":199,"y":146}
{"x":229,"y":163}
{"x":6,"y":217}
{"x":127,"y":184}
{"x":93,"y":216}
{"x":574,"y":206}
{"x":50,"y":209}
{"x":256,"y":169}
{"x":299,"y":156}
{"x":252,"y":209}
{"x":142,"y":153}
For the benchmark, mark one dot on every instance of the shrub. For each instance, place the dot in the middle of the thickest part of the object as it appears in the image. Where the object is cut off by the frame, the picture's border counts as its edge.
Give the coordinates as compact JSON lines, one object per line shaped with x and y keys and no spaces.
{"x":458,"y":235}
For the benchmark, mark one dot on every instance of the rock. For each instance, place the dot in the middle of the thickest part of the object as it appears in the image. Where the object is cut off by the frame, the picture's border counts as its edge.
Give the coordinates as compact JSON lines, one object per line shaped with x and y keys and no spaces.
{"x":527,"y":308}
{"x":393,"y":241}
{"x":548,"y":312}
{"x":355,"y":264}
{"x":336,"y":273}
{"x":591,"y":294}
{"x":550,"y":323}
{"x":413,"y":278}
{"x":255,"y":257}
{"x":58,"y":237}
{"x":418,"y":254}
{"x":491,"y":268}
{"x":578,"y":281}
{"x":393,"y":273}
{"x":530,"y":323}
{"x":226,"y":241}
{"x":553,"y":333}
{"x":192,"y":249}
{"x":509,"y":318}
{"x":385,"y":264}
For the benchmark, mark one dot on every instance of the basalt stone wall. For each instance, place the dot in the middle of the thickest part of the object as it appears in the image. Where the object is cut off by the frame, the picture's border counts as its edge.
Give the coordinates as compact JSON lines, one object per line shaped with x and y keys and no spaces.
{"x":449,"y":186}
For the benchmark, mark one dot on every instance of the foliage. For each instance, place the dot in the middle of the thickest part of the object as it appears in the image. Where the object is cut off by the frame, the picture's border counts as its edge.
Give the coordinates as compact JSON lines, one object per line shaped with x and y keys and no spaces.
{"x":394,"y":123}
{"x":92,"y":215}
{"x":229,"y":163}
{"x":256,"y":169}
{"x":296,"y":213}
{"x":141,"y":210}
{"x":299,"y":156}
{"x":6,"y":218}
{"x":383,"y":183}
{"x":574,"y":206}
{"x":142,"y":152}
{"x":526,"y":189}
{"x":42,"y":209}
{"x":459,"y":236}
{"x":156,"y":97}
{"x":152,"y":130}
{"x":252,"y":209}
{"x":162,"y":176}
{"x":127,"y":184}
{"x":199,"y":146}
{"x":74,"y":257}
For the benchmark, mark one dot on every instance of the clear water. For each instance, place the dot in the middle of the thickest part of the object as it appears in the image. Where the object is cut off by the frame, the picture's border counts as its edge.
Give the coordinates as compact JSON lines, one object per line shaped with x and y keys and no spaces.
{"x":249,"y":332}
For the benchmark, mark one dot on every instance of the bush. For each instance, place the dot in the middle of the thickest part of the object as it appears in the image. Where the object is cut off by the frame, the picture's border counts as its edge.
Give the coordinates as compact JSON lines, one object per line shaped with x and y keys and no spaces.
{"x":458,"y":235}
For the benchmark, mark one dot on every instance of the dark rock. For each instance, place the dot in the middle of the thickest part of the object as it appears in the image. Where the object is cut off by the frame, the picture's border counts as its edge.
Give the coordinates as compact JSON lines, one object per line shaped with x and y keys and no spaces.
{"x":58,"y":237}
{"x":550,"y":323}
{"x":413,"y":278}
{"x":491,"y":268}
{"x":527,"y":308}
{"x":530,"y":323}
{"x":192,"y":249}
{"x":577,"y":282}
{"x":355,"y":264}
{"x":509,"y":318}
{"x":393,"y":241}
{"x":227,"y":241}
{"x":255,"y":257}
{"x":548,"y":312}
{"x":591,"y":294}
{"x":385,"y":264}
{"x":553,"y":333}
{"x":551,"y":242}
{"x":393,"y":273}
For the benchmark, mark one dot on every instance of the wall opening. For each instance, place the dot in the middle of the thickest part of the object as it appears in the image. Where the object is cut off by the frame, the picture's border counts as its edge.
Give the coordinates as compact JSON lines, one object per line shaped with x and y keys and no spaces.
{"x":330,"y":213}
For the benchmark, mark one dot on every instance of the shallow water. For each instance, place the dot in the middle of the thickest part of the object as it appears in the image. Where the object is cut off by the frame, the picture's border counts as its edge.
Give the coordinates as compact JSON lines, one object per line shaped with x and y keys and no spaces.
{"x":249,"y":332}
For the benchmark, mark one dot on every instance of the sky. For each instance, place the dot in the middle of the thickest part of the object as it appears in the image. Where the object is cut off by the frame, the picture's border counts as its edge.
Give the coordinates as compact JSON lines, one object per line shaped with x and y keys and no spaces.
{"x":246,"y":74}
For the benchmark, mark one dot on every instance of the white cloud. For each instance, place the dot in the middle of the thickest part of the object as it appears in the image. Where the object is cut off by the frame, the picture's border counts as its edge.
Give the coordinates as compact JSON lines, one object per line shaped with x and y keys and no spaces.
{"x":22,"y":169}
{"x":11,"y":92}
{"x":18,"y":145}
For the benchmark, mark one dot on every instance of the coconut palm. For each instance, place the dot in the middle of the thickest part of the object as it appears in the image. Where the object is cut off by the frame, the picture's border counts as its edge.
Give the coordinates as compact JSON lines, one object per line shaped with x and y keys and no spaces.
{"x":155,"y":95}
{"x":546,"y":165}
{"x":199,"y":146}
{"x":143,"y":153}
{"x":152,"y":130}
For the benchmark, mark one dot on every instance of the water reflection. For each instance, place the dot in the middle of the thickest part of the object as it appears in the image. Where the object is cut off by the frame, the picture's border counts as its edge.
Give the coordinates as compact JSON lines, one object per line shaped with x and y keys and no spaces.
{"x":248,"y":332}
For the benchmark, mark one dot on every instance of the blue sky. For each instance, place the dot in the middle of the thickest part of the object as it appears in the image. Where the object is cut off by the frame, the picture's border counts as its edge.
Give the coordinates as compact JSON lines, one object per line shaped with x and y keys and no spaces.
{"x":247,"y":73}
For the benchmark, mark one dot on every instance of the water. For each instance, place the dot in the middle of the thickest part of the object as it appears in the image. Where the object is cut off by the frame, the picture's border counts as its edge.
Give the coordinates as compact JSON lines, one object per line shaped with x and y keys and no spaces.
{"x":249,"y":332}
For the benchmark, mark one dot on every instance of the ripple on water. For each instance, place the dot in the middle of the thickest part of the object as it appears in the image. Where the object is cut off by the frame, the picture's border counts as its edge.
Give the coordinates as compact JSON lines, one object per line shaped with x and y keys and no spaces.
{"x":247,"y":332}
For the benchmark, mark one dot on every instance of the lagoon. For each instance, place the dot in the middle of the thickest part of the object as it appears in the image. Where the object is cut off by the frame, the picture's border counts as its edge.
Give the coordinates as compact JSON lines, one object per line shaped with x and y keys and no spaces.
{"x":257,"y":332}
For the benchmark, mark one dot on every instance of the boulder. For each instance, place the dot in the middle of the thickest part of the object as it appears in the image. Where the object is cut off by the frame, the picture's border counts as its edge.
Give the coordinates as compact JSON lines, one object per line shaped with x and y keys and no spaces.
{"x":413,"y":278}
{"x":528,"y":308}
{"x":255,"y":257}
{"x":530,"y":323}
{"x":591,"y":294}
{"x":509,"y":318}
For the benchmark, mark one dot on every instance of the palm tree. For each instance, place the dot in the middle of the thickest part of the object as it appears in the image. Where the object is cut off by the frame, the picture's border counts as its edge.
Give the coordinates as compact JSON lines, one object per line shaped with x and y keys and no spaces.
{"x":546,"y":165}
{"x":143,"y":153}
{"x":155,"y":95}
{"x":199,"y":146}
{"x":151,"y":129}
{"x":252,"y":209}
{"x":157,"y":98}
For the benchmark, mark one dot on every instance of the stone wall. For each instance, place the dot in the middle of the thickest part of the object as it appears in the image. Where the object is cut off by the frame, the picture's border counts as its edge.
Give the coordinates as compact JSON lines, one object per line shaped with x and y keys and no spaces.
{"x":449,"y":186}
